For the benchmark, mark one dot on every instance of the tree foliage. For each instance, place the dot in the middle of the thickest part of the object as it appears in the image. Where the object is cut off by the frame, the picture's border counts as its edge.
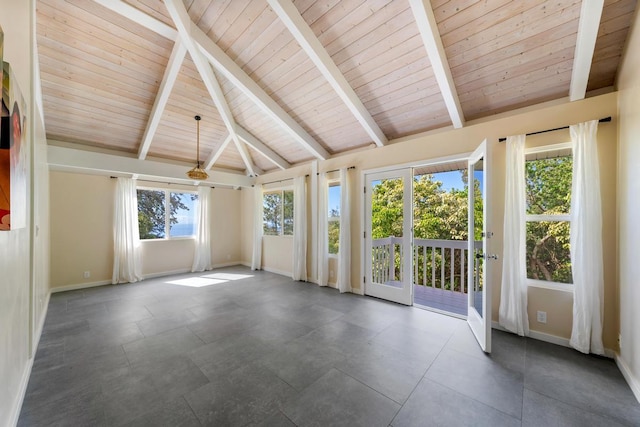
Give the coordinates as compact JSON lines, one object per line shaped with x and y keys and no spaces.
{"x":548,"y":192}
{"x":152,"y":211}
{"x":278,"y":213}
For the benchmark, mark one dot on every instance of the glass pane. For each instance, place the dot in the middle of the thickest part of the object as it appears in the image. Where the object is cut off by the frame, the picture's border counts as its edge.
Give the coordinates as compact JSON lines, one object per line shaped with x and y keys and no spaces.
{"x":548,"y":255}
{"x":478,"y":216}
{"x":151,"y":214}
{"x":288,"y":213}
{"x":182,"y":215}
{"x":334,"y":236}
{"x":272,"y":217}
{"x":387,"y":215}
{"x":334,"y":201}
{"x":548,"y":185}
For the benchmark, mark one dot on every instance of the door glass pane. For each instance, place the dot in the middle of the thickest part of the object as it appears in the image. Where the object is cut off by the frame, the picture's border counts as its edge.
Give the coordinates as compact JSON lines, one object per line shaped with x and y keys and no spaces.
{"x":478,"y":216}
{"x":387,"y":221}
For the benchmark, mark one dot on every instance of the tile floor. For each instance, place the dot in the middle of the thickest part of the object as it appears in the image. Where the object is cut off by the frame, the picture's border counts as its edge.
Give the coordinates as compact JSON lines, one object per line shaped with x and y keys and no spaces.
{"x":254,"y":348}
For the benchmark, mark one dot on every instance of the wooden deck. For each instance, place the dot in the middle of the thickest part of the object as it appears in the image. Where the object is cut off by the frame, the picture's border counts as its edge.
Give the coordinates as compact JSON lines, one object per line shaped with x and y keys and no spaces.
{"x":452,"y":302}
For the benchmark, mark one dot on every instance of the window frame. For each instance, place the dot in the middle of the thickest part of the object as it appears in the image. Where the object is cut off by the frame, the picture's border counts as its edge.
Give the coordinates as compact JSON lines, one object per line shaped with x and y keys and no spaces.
{"x":544,"y":284}
{"x":280,"y":190}
{"x":167,"y":212}
{"x":335,"y":182}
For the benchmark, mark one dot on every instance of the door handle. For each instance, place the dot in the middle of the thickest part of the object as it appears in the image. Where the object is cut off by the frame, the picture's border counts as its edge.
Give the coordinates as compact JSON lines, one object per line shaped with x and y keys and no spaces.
{"x":486,"y":256}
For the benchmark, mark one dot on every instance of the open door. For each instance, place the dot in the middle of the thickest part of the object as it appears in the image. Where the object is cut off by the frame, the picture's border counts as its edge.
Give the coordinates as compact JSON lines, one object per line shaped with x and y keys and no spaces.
{"x":388,"y":257}
{"x":479,"y":303}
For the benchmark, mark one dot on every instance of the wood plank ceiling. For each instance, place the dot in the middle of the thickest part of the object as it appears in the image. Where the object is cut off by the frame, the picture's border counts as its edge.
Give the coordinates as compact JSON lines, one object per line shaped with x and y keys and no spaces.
{"x":304,"y":79}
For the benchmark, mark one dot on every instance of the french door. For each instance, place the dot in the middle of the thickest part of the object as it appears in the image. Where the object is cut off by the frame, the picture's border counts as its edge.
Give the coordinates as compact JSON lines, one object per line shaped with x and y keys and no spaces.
{"x":479,"y":261}
{"x":388,"y":253}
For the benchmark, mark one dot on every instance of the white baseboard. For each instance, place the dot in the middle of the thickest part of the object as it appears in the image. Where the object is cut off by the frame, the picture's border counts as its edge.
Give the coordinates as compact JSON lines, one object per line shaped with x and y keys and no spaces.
{"x":277,"y":271}
{"x":357,"y":291}
{"x":226,"y":264}
{"x":634,"y":383}
{"x":24,"y":381}
{"x":80,"y":286}
{"x":553,"y":339}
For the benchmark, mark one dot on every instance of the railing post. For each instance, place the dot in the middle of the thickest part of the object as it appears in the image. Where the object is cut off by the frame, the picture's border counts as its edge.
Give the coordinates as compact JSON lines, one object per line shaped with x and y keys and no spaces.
{"x":392,"y":259}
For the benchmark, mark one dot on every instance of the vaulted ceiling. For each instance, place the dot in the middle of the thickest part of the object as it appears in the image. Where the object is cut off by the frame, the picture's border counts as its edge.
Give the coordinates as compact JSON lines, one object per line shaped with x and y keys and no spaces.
{"x":280,"y":82}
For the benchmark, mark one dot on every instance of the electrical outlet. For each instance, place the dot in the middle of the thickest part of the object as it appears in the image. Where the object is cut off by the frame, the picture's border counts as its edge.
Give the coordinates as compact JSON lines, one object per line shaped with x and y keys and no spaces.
{"x":542,"y":316}
{"x":87,"y":274}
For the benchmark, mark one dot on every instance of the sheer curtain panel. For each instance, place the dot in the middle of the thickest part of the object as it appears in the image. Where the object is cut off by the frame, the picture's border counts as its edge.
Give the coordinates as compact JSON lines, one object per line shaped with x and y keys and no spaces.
{"x":126,"y":235}
{"x":323,"y":231}
{"x":202,"y":254}
{"x":586,"y":240}
{"x":256,"y":257}
{"x":299,"y":229}
{"x":344,"y":254}
{"x":512,"y":314}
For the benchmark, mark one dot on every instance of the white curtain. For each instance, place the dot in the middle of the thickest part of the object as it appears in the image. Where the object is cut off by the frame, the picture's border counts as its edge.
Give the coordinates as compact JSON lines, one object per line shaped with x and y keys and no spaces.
{"x":126,"y":235}
{"x":586,"y":240}
{"x":299,"y":229}
{"x":256,"y":258}
{"x":323,"y":231}
{"x":513,"y":295}
{"x":344,"y":255}
{"x":202,"y":255}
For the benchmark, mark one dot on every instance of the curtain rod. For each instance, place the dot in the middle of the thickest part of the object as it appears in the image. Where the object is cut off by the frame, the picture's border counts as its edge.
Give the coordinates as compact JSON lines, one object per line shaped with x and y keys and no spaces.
{"x":603,"y":120}
{"x":336,"y":170}
{"x":280,"y":180}
{"x":162,"y":182}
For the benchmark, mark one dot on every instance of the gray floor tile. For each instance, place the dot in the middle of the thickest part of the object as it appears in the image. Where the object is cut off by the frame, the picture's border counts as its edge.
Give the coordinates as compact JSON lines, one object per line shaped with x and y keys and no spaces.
{"x":432,"y":404}
{"x":336,"y":399}
{"x":265,"y":350}
{"x":301,"y":362}
{"x":174,"y":413}
{"x":390,"y":372}
{"x":162,"y":346}
{"x":483,"y":380}
{"x":248,"y":395}
{"x":541,"y":410}
{"x":580,"y":380}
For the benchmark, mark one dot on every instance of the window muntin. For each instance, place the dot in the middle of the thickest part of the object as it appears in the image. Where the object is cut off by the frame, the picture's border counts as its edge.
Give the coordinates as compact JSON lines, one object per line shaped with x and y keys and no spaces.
{"x":277,"y":217}
{"x":165,"y":214}
{"x":548,"y":204}
{"x":333,"y":227}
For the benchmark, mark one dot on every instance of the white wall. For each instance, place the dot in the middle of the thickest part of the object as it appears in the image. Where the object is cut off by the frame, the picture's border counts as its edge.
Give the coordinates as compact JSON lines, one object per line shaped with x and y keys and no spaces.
{"x":628,"y":83}
{"x":23,"y":253}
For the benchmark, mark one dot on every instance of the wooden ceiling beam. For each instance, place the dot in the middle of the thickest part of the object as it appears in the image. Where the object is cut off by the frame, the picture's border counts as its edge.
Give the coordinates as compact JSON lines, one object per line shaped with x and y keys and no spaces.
{"x":426,"y":21}
{"x":261,"y":148}
{"x":162,"y":97}
{"x":306,"y":38}
{"x":588,"y":26}
{"x":182,"y":21}
{"x":215,"y":155}
{"x":239,"y":78}
{"x":140,"y":17}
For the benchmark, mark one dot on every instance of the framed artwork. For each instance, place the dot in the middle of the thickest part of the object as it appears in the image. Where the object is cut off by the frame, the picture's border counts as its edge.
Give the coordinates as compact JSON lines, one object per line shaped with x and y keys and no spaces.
{"x":13,"y":154}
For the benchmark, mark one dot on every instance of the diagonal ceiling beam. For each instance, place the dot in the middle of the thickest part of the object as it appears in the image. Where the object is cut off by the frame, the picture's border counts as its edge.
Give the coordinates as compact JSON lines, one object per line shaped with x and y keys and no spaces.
{"x":236,"y":75}
{"x":162,"y":97}
{"x":215,"y":155}
{"x":140,"y":17}
{"x":132,"y":13}
{"x":423,"y":14}
{"x":290,"y":16}
{"x":590,"y":14}
{"x":182,"y":21}
{"x":261,"y":148}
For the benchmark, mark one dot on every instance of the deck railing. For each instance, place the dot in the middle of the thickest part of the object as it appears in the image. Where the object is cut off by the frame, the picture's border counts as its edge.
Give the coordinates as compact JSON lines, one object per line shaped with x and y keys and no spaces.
{"x":441,"y":264}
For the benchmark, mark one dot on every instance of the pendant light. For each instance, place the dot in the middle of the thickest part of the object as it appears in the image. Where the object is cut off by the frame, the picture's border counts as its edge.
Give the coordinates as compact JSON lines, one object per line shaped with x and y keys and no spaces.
{"x":197,"y":173}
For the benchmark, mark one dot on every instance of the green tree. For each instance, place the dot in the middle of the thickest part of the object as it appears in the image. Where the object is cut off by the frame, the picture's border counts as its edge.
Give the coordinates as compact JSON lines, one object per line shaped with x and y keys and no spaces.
{"x":334,"y":231}
{"x":548,"y":192}
{"x":152,"y":208}
{"x":272,"y":213}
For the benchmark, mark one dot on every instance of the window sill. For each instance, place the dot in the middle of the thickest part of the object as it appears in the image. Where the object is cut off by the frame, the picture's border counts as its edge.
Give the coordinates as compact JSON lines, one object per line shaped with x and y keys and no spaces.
{"x":554,"y":286}
{"x":168,"y":239}
{"x":333,"y":256}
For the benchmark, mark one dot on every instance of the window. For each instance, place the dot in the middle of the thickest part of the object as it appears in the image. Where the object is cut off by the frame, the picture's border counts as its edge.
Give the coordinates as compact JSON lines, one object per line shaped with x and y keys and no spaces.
{"x":548,"y":201}
{"x":278,"y":213}
{"x":334,"y":218}
{"x":163,"y":213}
